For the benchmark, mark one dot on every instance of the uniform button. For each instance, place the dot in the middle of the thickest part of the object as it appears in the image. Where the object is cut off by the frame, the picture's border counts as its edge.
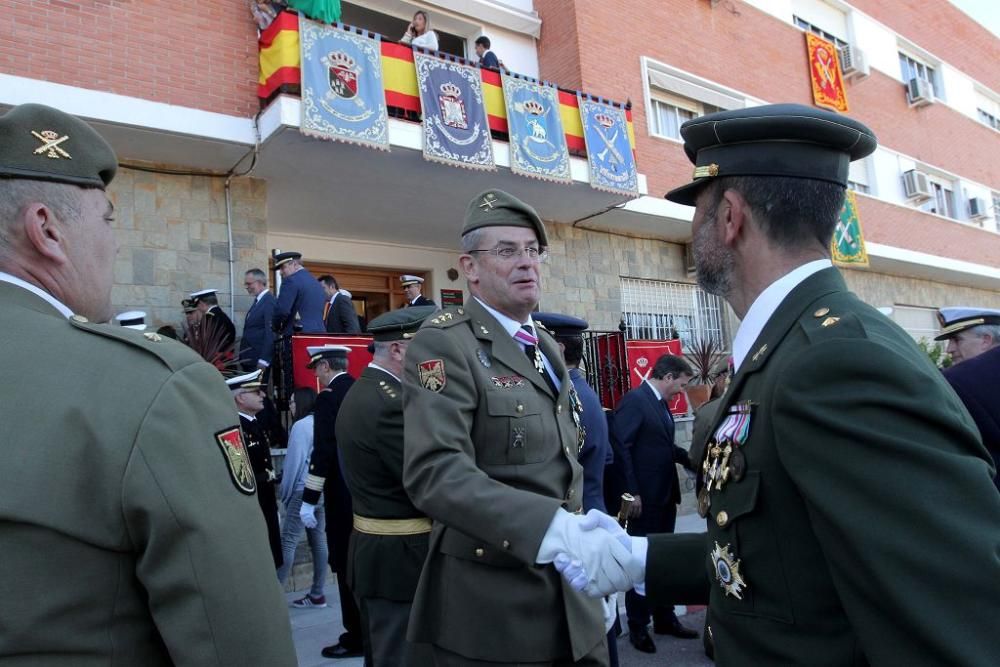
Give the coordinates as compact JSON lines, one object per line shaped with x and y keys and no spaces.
{"x":506,"y":544}
{"x":480,"y":552}
{"x":570,"y":494}
{"x":568,"y":452}
{"x":79,"y":318}
{"x":821,"y":312}
{"x":461,"y":312}
{"x":520,"y":408}
{"x":722,"y":518}
{"x":558,"y":409}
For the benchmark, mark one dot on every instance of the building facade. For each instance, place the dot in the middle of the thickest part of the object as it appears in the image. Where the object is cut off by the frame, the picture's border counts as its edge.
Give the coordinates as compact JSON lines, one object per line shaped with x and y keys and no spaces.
{"x":212,"y":181}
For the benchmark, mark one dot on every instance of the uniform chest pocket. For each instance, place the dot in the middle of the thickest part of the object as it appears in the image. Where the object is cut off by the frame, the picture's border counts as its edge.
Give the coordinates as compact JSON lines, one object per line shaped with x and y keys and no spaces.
{"x":515,"y":432}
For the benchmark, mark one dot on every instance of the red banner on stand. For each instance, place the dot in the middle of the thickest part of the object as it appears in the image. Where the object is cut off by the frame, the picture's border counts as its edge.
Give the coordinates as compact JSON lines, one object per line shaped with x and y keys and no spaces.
{"x":642,"y":355}
{"x":357,"y":360}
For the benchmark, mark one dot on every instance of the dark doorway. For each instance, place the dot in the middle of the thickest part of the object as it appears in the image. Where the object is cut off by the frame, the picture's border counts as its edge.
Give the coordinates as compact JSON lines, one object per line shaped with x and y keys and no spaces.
{"x":393,"y":28}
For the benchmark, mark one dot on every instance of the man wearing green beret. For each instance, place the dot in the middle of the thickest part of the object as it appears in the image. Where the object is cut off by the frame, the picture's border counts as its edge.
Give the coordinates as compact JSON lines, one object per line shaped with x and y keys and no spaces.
{"x":492,"y":433}
{"x":389,"y":541}
{"x":129,"y":529}
{"x":851,"y":514}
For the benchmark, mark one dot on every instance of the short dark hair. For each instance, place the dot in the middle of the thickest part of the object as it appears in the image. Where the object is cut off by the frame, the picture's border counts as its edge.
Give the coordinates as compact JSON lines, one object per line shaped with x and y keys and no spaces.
{"x":573,"y":352}
{"x":483,"y":41}
{"x":669,"y":364}
{"x":168,"y":331}
{"x":791,"y":212}
{"x":329,"y":281}
{"x":305,"y":401}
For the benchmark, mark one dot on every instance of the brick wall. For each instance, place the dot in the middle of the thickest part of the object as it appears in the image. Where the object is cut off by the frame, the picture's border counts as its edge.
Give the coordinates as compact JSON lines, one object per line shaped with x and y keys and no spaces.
{"x":201,"y":55}
{"x":558,"y":45}
{"x":172,"y":238}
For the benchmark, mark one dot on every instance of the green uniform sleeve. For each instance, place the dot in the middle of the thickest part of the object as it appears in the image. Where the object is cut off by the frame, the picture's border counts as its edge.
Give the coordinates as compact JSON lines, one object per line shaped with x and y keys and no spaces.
{"x":440,"y":471}
{"x":201,"y":544}
{"x":676,"y":569}
{"x":899,"y":496}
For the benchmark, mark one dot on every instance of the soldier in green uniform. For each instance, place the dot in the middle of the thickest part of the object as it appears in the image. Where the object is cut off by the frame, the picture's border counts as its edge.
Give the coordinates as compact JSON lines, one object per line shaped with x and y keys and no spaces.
{"x":389,"y":542}
{"x":852,"y":519}
{"x":491,"y":441}
{"x":129,"y":530}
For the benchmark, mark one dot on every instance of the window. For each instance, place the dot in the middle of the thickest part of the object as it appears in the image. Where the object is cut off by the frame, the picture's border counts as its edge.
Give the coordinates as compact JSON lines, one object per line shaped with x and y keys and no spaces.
{"x":662,"y":310}
{"x":942,"y":199}
{"x":911,"y":68}
{"x":670,"y":111}
{"x":857,"y":178}
{"x":674,"y":96}
{"x":987,"y":118}
{"x":809,"y":27}
{"x":921,"y":323}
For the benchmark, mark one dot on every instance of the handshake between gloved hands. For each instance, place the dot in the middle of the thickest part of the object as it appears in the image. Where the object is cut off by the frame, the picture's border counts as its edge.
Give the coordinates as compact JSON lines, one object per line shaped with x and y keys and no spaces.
{"x":593,"y":553}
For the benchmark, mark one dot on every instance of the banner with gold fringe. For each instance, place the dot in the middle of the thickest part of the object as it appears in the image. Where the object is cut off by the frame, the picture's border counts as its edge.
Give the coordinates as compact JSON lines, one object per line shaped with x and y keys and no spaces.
{"x":609,"y":148}
{"x":847,"y":247}
{"x":827,"y":80}
{"x":537,"y":141}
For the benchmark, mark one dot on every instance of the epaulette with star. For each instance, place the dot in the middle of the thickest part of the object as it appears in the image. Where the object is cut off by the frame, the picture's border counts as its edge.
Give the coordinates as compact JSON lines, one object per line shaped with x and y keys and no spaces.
{"x":447,"y":318}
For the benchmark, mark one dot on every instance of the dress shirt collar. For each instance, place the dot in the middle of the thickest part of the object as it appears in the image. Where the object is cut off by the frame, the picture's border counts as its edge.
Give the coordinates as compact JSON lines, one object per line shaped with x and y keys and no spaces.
{"x":511,"y":326}
{"x":252,"y":418}
{"x":37,"y":291}
{"x":655,"y":391}
{"x":260,"y":296}
{"x":372,"y":364}
{"x":766,"y":303}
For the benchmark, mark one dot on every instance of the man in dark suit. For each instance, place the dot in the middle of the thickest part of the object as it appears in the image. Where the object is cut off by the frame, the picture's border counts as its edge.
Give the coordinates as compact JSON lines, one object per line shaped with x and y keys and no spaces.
{"x":299,"y":294}
{"x":326,"y":482}
{"x":219,"y":328}
{"x":412,"y":288}
{"x":257,"y":346}
{"x":849,"y":498}
{"x":339,"y":315}
{"x":644,"y":429}
{"x":248,"y":393}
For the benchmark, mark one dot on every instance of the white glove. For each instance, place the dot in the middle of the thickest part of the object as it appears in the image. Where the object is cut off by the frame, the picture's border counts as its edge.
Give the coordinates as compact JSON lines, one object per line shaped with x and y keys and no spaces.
{"x":606,"y":560}
{"x":610,"y":604}
{"x":307,"y":513}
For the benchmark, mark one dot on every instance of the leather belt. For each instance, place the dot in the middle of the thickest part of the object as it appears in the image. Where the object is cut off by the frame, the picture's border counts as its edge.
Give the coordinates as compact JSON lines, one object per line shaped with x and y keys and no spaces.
{"x":417,"y":526}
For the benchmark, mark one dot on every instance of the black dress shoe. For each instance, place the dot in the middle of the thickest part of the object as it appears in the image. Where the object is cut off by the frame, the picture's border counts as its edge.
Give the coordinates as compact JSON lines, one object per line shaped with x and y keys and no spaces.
{"x":341,"y":651}
{"x":642,"y":641}
{"x":675,"y":629}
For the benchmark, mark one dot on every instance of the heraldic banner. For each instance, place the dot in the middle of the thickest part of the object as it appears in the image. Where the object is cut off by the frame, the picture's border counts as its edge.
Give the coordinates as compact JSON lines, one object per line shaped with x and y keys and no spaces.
{"x":342,"y":95}
{"x":534,"y":123}
{"x":847,"y":247}
{"x":609,"y":153}
{"x":828,"y":87}
{"x":455,"y":127}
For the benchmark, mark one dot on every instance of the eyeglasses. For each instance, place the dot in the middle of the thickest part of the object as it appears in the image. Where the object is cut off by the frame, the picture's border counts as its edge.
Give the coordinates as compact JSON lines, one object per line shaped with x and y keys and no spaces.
{"x":508,"y":253}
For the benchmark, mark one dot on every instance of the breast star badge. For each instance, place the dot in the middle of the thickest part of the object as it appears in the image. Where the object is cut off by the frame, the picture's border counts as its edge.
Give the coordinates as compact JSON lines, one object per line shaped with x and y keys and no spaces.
{"x":727,"y":571}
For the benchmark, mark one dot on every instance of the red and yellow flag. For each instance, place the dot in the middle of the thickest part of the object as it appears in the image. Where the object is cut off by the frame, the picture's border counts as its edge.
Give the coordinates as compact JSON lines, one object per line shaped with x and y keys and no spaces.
{"x":824,"y":72}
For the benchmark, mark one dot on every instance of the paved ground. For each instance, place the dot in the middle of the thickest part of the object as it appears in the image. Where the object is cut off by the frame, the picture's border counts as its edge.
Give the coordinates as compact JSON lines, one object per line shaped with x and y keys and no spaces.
{"x":315,"y":628}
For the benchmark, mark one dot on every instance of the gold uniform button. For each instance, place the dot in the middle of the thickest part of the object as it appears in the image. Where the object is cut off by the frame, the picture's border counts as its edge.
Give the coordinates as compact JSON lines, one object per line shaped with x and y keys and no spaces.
{"x":558,"y":409}
{"x":79,"y":318}
{"x":821,"y":312}
{"x":506,"y":544}
{"x":461,"y":312}
{"x":570,"y":494}
{"x":480,"y":552}
{"x":520,"y":408}
{"x":722,"y":518}
{"x":568,"y":452}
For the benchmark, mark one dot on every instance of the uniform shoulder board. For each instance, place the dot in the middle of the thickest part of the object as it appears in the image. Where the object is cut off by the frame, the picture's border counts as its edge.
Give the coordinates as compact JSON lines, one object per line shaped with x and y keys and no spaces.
{"x":173,"y":354}
{"x":821,"y":322}
{"x":387,"y":391}
{"x":209,"y":313}
{"x":543,"y":327}
{"x":448,"y":317}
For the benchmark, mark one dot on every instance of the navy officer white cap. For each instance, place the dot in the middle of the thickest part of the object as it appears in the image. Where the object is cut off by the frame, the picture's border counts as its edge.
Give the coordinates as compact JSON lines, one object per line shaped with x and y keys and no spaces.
{"x":247,"y":381}
{"x":132,"y":319}
{"x":407,"y":279}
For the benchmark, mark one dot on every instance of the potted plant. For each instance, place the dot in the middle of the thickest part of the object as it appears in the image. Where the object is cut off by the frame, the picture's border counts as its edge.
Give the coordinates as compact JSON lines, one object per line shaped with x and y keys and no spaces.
{"x":704,"y":355}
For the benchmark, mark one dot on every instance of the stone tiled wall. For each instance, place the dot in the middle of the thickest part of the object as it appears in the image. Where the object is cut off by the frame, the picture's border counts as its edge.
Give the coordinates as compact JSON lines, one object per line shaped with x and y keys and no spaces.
{"x":172,"y":240}
{"x":880,"y":289}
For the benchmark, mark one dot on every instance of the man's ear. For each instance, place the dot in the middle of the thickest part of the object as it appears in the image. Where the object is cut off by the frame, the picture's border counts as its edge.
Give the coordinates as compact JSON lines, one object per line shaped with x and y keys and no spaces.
{"x":733,"y":214}
{"x":469,"y":267}
{"x":41,"y":229}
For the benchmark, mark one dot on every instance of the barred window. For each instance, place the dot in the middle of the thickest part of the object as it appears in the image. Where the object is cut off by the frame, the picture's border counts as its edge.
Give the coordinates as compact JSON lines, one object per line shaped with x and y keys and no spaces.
{"x":662,"y":310}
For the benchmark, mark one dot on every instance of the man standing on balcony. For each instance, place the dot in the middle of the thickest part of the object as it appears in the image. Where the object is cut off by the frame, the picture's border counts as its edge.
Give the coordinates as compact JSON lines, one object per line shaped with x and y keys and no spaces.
{"x":491,"y":439}
{"x":130,"y":534}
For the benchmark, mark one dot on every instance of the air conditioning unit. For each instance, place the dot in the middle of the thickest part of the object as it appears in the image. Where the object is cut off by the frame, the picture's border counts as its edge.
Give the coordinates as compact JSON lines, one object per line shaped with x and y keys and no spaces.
{"x":977,"y":208}
{"x":689,"y":258}
{"x":919,"y":92}
{"x":853,"y":63}
{"x":916,"y":185}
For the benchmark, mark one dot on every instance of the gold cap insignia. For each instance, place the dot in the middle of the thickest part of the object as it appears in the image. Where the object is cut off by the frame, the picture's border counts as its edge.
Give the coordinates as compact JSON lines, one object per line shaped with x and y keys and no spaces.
{"x":758,"y":353}
{"x":830,"y":321}
{"x":154,"y":337}
{"x":50,"y":144}
{"x":488,"y":200}
{"x":708,"y":171}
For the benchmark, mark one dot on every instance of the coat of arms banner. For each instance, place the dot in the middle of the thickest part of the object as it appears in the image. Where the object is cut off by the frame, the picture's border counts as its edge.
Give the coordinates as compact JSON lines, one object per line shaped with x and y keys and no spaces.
{"x":455,"y":127}
{"x":609,"y":152}
{"x":537,"y":143}
{"x":342,"y":93}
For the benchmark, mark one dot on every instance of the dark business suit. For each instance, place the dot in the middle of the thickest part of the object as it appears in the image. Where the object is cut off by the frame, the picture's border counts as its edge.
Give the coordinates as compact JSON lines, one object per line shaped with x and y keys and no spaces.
{"x":326,"y":478}
{"x":421,"y":301}
{"x":976,"y":381}
{"x":258,"y":334}
{"x":300,"y":293}
{"x":644,"y":429}
{"x":341,"y":317}
{"x":862,"y":507}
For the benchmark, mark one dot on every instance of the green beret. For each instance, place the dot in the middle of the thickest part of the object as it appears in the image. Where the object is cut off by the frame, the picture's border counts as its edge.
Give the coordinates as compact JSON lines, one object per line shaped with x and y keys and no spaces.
{"x":399,"y":324}
{"x":496,"y":208}
{"x":44,"y":144}
{"x":789,"y":140}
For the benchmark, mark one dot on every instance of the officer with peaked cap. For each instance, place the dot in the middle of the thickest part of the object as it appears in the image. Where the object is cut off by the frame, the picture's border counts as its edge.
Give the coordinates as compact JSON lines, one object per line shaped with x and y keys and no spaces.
{"x":839,"y":456}
{"x":413,"y":287}
{"x":389,"y":542}
{"x":128,"y":527}
{"x":218,"y":326}
{"x":326,"y":481}
{"x":492,"y":434}
{"x":969,"y":331}
{"x":300,"y":294}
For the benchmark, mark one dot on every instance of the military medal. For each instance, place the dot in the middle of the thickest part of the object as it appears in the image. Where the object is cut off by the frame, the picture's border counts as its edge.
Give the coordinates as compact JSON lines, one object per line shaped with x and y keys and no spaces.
{"x":484,"y":359}
{"x":704,"y":502}
{"x":727,"y":571}
{"x":575,"y":410}
{"x":724,"y":458}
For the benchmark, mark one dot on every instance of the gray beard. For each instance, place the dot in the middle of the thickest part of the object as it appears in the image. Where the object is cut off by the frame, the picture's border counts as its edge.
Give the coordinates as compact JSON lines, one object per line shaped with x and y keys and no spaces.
{"x":713,"y":261}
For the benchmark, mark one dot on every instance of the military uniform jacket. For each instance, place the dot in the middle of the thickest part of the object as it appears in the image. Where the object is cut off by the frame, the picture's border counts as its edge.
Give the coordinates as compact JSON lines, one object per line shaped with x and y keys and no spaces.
{"x":490,"y":455}
{"x":125,"y":540}
{"x":975,"y":381}
{"x":370,"y":440}
{"x":859,"y":525}
{"x":421,"y":301}
{"x":221,"y":328}
{"x":596,"y":451}
{"x":258,"y":447}
{"x":324,"y":465}
{"x":300,"y":293}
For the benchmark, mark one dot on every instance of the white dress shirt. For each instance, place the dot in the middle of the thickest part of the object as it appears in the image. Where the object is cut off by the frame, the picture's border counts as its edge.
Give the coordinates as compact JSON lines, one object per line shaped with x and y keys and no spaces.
{"x":37,"y":291}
